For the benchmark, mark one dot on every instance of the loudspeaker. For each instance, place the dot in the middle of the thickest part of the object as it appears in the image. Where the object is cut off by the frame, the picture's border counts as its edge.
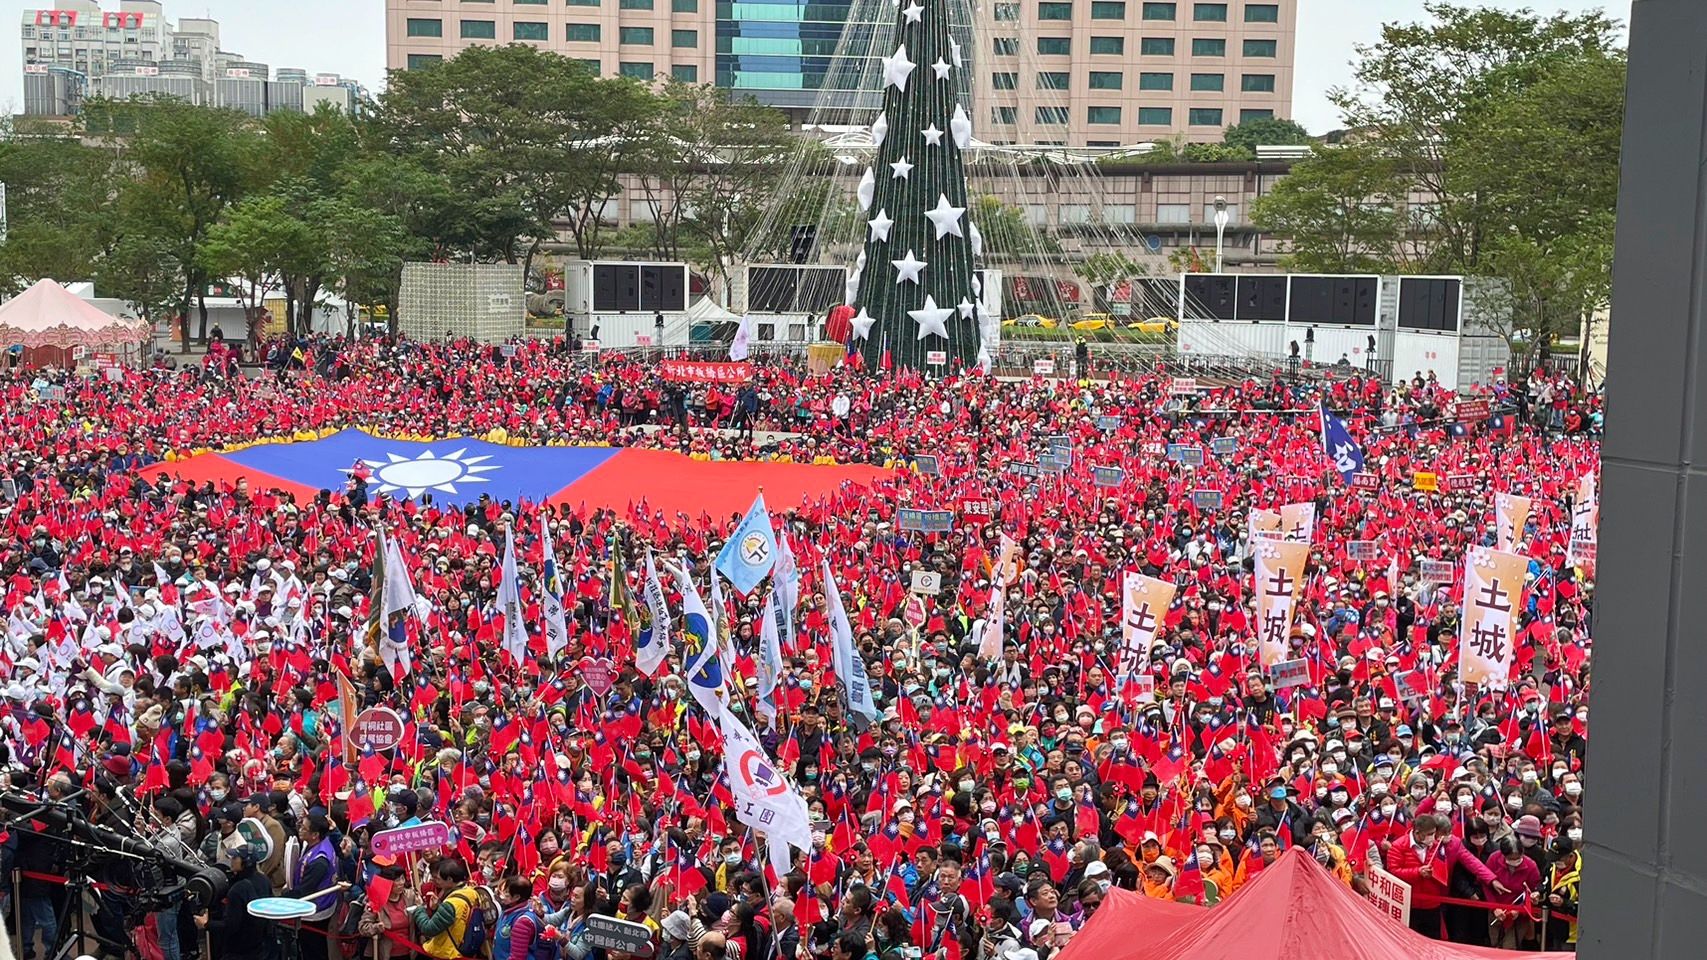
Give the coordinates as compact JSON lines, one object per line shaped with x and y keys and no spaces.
{"x":1262,"y":298}
{"x":650,"y":295}
{"x":802,"y":240}
{"x":604,"y":287}
{"x":627,"y":288}
{"x":672,"y":289}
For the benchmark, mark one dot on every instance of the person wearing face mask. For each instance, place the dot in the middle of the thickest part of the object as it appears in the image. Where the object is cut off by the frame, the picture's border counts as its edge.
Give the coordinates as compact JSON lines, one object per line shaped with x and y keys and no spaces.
{"x":1571,"y":789}
{"x":1280,"y":812}
{"x":1412,"y":858}
{"x":1512,"y":929}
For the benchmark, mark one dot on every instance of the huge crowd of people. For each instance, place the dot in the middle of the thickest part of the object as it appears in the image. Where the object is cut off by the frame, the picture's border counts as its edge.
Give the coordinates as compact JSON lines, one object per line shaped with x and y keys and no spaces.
{"x":176,"y":652}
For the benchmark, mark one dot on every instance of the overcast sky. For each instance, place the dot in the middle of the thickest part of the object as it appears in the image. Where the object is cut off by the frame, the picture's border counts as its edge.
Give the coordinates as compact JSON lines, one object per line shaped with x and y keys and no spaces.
{"x":348,"y":37}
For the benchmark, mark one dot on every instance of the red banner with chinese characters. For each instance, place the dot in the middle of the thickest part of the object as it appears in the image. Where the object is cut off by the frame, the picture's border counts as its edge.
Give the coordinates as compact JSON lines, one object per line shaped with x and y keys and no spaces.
{"x":707,"y":371}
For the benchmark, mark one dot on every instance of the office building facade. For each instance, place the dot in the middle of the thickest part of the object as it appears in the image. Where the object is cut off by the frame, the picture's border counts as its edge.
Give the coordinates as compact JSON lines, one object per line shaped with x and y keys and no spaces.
{"x":77,"y":49}
{"x":1069,"y":72}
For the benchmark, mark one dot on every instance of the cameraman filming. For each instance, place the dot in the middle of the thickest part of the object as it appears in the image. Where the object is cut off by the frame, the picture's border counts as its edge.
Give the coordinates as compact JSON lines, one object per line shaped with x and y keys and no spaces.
{"x":234,"y":933}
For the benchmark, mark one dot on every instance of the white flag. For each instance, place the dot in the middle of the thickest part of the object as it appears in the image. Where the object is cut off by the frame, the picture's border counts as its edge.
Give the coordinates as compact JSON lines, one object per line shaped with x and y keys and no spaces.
{"x":706,"y":679}
{"x":515,"y":639}
{"x":739,"y":346}
{"x":770,"y":655}
{"x":652,"y":646}
{"x":786,"y":578}
{"x":551,"y":595}
{"x":399,"y":589}
{"x":990,"y":641}
{"x":764,"y":800}
{"x":849,"y":667}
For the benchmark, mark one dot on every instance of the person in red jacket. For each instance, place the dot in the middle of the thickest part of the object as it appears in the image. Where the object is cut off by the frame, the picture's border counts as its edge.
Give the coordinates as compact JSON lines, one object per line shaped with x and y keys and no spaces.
{"x":1424,"y":859}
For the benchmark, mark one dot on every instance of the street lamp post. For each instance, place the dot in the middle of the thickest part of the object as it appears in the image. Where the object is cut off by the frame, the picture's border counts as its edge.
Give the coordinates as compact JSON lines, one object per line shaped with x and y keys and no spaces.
{"x":1220,"y":228}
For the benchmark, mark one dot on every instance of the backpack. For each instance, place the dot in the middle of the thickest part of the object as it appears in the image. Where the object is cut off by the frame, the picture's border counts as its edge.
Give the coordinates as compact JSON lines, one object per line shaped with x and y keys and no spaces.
{"x":482,"y":912}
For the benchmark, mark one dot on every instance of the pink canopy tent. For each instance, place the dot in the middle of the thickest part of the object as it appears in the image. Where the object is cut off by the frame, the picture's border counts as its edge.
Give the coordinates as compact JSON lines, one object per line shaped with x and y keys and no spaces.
{"x":1124,"y":917}
{"x":48,"y":321}
{"x":1292,"y":910}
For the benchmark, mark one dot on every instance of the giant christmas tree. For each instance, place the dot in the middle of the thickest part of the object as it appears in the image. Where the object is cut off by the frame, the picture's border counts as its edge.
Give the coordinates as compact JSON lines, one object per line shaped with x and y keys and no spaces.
{"x":914,"y":291}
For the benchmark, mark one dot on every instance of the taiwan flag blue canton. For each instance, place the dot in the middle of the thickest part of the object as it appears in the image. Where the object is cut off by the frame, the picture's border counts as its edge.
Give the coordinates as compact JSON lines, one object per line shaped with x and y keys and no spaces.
{"x":457,"y":471}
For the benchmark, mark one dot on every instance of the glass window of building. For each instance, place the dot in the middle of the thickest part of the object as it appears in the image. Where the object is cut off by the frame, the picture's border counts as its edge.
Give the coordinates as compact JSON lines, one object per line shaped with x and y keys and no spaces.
{"x":1208,"y":81}
{"x":1108,"y":9}
{"x":684,"y":38}
{"x":1107,"y":80}
{"x":479,"y":30}
{"x":1205,"y":116}
{"x":418,"y":61}
{"x":1119,"y":213}
{"x":529,"y":30}
{"x":582,"y":32}
{"x":684,"y":73}
{"x":1255,"y":113}
{"x":1173,"y":213}
{"x":1053,"y":80}
{"x":1071,"y":213}
{"x":684,"y":6}
{"x":1209,"y":47}
{"x":583,"y":3}
{"x":1054,"y":11}
{"x":1102,"y":114}
{"x":1155,"y":81}
{"x":1006,"y":80}
{"x":1257,"y":83}
{"x":1052,"y":116}
{"x":1156,"y":46}
{"x":1262,"y":13}
{"x":635,"y":4}
{"x":1156,"y":116}
{"x":1209,"y":213}
{"x":634,"y":36}
{"x":1055,"y":46}
{"x":636,"y":69}
{"x":1209,"y":12}
{"x":1159,"y":11}
{"x":1109,"y":45}
{"x":421,"y":27}
{"x":1004,"y":115}
{"x":1260,"y":48}
{"x":1006,"y":12}
{"x":1004,"y":46}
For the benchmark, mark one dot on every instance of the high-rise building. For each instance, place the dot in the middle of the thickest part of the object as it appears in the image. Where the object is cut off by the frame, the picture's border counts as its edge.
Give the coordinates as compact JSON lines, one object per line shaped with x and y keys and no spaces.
{"x":78,"y":49}
{"x":1077,"y":72}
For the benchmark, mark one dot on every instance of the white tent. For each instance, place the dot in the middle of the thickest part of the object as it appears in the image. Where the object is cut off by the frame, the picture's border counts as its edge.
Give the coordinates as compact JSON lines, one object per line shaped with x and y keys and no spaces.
{"x":704,"y":311}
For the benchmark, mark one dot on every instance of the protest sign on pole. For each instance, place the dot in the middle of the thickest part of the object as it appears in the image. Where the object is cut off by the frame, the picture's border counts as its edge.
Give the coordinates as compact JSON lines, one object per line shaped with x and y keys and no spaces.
{"x":1279,"y":576}
{"x":1493,"y":592}
{"x":1144,"y":603}
{"x":1511,"y":513}
{"x":1290,"y":673}
{"x":431,"y":835}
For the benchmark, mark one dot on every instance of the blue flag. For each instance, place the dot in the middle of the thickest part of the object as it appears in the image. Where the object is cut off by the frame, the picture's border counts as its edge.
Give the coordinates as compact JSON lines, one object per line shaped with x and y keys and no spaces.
{"x":751,"y":552}
{"x":1339,"y":446}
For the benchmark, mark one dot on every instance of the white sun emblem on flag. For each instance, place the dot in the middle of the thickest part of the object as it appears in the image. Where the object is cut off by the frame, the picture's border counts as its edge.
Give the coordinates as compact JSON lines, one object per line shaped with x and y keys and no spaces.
{"x":427,"y":471}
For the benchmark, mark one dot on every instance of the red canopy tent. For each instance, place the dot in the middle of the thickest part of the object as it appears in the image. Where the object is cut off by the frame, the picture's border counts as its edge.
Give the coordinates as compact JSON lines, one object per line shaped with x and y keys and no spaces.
{"x":1292,"y":910}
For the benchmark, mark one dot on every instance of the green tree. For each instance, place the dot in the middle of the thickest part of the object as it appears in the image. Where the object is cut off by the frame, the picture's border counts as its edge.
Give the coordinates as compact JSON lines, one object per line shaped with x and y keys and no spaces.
{"x":56,"y":188}
{"x":182,"y":166}
{"x":1263,"y":132}
{"x":1423,"y":90}
{"x":704,"y":171}
{"x":1338,"y":211}
{"x":530,"y":139}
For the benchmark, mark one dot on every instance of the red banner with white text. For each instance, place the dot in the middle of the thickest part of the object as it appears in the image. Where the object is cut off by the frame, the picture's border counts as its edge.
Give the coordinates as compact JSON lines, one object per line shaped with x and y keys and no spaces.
{"x":706,"y":371}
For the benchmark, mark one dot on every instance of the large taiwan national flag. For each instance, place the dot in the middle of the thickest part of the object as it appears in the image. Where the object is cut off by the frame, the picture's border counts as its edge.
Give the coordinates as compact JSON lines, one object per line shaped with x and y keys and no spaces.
{"x":458,"y":470}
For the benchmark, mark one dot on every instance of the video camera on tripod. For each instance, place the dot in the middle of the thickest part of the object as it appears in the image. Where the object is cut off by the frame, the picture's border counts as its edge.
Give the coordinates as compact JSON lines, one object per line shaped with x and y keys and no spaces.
{"x":161,"y":880}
